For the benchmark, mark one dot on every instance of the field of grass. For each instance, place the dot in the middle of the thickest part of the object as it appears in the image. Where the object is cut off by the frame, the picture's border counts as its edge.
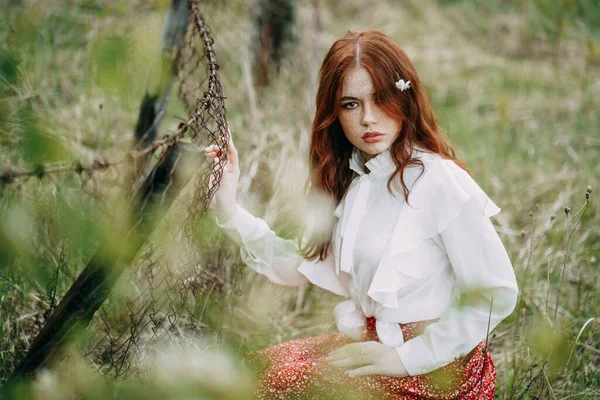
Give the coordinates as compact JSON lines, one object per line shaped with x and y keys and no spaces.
{"x":515,"y":84}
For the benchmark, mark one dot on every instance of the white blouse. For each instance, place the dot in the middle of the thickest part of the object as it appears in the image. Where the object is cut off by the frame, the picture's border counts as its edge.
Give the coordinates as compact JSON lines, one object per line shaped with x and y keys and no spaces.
{"x":440,"y":258}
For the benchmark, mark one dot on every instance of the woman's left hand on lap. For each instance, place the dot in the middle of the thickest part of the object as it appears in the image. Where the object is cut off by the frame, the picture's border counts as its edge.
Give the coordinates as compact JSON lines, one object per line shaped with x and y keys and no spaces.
{"x":368,"y":358}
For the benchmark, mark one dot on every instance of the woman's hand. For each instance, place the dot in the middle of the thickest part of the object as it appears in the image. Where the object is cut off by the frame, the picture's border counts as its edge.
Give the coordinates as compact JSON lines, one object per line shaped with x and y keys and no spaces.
{"x":224,"y":201}
{"x":368,"y":358}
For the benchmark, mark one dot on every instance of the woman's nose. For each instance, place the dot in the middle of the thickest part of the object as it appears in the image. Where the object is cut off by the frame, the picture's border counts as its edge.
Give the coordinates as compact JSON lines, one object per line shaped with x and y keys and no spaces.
{"x":368,"y":117}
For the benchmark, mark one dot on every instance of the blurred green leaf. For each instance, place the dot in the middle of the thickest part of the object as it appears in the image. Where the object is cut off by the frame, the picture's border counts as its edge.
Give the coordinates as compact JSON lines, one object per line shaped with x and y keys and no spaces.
{"x":40,"y":147}
{"x":9,"y":69}
{"x":548,"y":343}
{"x":110,"y":61}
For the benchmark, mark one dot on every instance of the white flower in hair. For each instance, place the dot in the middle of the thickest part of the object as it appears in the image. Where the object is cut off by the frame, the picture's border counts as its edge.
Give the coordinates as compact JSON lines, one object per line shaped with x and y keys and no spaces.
{"x":403,"y":85}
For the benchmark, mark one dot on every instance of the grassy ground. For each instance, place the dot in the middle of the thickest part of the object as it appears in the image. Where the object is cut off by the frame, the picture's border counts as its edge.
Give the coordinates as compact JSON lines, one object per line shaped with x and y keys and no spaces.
{"x":514,"y":83}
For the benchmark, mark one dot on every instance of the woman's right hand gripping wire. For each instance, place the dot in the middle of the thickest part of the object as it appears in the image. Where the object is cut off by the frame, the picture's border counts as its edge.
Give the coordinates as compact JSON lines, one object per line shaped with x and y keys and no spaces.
{"x":224,"y":201}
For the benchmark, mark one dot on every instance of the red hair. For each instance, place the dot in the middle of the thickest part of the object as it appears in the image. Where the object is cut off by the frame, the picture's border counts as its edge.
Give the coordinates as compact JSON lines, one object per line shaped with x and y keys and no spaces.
{"x":330,"y":150}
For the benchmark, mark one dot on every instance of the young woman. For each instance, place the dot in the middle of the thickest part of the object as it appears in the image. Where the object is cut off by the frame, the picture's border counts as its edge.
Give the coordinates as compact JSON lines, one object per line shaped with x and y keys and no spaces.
{"x":411,"y":246}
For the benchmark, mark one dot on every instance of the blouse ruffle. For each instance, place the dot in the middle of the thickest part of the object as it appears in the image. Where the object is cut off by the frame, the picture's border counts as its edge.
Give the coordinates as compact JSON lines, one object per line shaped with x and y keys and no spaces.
{"x":435,"y":199}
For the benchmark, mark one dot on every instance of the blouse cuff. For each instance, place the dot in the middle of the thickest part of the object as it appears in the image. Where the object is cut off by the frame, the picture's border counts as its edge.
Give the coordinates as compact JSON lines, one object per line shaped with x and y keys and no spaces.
{"x":231,"y":222}
{"x":243,"y":227}
{"x":416,"y":356}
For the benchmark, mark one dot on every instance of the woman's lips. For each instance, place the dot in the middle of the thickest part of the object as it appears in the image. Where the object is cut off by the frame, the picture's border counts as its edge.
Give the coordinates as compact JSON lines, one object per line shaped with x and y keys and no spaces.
{"x":372,"y":137}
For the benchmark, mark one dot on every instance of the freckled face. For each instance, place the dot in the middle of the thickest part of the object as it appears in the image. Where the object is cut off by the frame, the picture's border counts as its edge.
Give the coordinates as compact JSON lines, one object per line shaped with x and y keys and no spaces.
{"x":359,"y":114}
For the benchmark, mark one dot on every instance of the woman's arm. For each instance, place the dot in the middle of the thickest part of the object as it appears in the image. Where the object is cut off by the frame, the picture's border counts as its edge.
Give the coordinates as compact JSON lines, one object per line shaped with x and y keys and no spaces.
{"x":262,"y":250}
{"x":487,"y":284}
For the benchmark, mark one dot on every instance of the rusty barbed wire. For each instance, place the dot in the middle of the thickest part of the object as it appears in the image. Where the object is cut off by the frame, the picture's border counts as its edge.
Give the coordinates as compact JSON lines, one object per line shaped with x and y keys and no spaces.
{"x":10,"y":176}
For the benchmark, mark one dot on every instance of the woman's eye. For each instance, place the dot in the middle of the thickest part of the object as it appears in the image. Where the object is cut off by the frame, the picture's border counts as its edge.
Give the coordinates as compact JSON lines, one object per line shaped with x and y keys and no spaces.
{"x":350,"y":105}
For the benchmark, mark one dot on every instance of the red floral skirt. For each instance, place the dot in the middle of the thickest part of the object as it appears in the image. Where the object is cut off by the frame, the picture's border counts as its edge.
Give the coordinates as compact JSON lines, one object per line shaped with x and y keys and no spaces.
{"x":297,"y":370}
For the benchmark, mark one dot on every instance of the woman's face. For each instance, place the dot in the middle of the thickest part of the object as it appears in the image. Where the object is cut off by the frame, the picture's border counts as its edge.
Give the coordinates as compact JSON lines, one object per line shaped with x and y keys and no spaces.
{"x":361,"y":117}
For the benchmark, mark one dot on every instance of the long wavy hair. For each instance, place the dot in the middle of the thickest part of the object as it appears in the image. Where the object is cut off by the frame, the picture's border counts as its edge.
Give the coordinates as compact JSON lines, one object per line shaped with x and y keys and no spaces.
{"x":330,"y":150}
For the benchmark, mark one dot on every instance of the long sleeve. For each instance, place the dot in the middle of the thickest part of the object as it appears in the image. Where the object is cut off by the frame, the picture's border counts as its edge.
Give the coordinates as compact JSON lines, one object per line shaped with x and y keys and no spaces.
{"x":262,"y":250}
{"x":484,"y":274}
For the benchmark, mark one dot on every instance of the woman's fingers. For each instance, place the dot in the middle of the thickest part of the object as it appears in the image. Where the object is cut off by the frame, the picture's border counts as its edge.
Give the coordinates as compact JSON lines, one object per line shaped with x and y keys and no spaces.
{"x":231,"y":150}
{"x":349,"y":348}
{"x":214,"y":150}
{"x":365,"y":370}
{"x":351,"y":362}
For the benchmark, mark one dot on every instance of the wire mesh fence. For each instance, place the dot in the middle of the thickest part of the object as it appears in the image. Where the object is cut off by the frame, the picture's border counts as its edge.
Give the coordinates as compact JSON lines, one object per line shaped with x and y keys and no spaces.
{"x":167,"y":288}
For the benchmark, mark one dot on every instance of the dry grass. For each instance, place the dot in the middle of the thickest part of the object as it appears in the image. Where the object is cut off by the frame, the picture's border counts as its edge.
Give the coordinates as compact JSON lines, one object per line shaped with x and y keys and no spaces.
{"x":526,"y":128}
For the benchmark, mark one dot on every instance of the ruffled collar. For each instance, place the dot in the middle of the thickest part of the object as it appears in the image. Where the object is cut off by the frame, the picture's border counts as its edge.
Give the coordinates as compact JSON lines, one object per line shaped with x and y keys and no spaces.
{"x":380,"y":165}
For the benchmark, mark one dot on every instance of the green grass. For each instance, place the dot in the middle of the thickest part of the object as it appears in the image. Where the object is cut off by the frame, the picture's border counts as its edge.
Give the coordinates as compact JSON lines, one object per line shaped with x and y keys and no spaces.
{"x":72,"y":78}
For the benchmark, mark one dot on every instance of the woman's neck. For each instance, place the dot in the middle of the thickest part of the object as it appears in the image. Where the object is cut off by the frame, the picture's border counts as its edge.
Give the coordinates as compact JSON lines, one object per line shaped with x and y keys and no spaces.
{"x":367,"y":156}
